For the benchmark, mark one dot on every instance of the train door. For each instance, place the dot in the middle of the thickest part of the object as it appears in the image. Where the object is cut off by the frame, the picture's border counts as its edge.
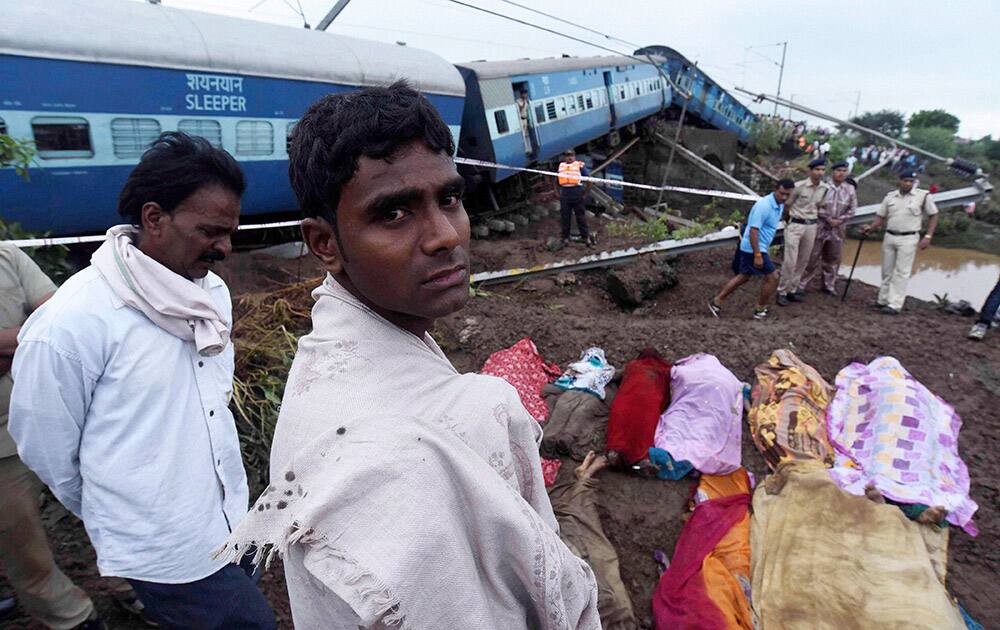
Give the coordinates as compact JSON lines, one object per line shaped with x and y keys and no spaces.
{"x":609,"y":88}
{"x":523,"y":103}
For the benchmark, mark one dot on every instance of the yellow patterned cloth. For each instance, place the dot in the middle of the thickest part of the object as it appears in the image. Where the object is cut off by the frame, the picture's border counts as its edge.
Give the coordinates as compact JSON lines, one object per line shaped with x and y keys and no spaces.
{"x":788,"y":411}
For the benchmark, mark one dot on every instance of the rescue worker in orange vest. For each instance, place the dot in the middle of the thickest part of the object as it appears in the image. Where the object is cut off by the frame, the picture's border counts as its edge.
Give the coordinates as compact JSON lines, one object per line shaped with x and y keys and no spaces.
{"x":572,"y":194}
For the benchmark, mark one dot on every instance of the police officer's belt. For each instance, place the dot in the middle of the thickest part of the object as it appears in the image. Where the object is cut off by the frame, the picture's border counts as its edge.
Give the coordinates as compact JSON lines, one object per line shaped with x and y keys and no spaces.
{"x":804,"y":221}
{"x":895,"y":233}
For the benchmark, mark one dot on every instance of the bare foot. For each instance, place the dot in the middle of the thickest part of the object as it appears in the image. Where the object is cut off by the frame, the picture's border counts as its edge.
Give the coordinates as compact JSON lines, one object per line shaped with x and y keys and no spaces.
{"x":872,"y":493}
{"x":933,"y":516}
{"x":592,"y":463}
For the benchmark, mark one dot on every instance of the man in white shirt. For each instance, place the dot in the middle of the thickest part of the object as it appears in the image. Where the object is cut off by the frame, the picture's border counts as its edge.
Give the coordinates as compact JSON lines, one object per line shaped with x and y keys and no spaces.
{"x":402,"y":493}
{"x":121,"y":389}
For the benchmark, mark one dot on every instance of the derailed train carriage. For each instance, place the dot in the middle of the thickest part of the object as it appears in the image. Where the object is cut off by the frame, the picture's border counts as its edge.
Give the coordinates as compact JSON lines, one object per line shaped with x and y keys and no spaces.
{"x":92,"y":101}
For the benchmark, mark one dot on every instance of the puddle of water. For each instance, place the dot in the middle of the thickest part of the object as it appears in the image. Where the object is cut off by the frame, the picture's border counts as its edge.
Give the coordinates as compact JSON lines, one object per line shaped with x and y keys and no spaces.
{"x":964,"y":274}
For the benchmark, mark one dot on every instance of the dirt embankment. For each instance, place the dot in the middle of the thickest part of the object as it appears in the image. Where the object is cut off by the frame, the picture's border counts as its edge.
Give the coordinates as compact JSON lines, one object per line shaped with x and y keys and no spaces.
{"x":639,"y":515}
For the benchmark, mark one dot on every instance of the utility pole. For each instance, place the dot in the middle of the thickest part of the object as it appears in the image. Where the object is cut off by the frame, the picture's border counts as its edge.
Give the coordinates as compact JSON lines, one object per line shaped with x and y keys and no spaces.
{"x":332,"y":15}
{"x":781,"y":73}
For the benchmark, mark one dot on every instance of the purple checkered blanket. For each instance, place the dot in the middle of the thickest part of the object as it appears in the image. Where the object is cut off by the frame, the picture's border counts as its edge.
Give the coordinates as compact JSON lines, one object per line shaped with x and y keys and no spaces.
{"x":892,"y":432}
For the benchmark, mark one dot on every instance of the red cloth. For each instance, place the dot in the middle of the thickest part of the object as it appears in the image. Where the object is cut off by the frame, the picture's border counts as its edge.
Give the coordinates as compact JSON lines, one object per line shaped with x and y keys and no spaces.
{"x":550,"y":470}
{"x":636,"y":409}
{"x":682,"y":597}
{"x":523,"y":367}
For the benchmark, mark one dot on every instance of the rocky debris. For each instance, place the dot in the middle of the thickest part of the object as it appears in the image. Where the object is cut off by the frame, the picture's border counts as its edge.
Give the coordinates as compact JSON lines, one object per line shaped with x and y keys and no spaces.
{"x":480,"y":231}
{"x":518,"y":219}
{"x":630,"y":285}
{"x":554,"y":244}
{"x":471,"y":329}
{"x":500,"y":225}
{"x":565,"y":279}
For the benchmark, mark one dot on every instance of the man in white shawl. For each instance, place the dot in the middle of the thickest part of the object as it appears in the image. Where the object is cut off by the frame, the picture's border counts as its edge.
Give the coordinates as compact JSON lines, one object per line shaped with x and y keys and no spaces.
{"x":121,"y":390}
{"x":403,"y":494}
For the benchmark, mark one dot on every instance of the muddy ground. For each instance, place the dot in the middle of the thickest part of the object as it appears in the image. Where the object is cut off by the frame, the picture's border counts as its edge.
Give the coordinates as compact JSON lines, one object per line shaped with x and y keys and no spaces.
{"x":640,"y":515}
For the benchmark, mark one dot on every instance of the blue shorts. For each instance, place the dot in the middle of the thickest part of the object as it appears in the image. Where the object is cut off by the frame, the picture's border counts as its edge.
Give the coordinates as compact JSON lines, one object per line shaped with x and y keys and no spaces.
{"x":743,"y":264}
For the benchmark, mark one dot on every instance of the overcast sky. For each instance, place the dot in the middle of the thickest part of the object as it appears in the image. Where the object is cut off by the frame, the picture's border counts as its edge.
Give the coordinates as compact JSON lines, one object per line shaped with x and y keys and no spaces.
{"x":920,"y":54}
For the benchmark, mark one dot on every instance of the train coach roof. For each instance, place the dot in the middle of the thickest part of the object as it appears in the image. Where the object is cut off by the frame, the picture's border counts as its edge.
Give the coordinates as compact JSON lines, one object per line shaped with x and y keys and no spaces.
{"x":142,"y":34}
{"x":516,"y":67}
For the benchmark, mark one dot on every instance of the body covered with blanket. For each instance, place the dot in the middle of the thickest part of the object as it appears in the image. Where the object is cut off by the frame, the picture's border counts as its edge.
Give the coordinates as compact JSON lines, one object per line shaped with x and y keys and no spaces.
{"x":404,"y":494}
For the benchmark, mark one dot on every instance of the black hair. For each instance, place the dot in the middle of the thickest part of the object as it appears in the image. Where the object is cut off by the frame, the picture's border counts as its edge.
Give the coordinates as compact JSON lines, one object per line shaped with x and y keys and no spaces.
{"x":340,"y":128}
{"x":173,"y":168}
{"x":785,"y":183}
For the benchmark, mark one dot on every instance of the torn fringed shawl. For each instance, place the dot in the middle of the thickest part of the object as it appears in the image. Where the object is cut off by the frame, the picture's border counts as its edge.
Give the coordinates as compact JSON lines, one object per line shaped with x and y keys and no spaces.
{"x":891,"y":431}
{"x":413,"y":492}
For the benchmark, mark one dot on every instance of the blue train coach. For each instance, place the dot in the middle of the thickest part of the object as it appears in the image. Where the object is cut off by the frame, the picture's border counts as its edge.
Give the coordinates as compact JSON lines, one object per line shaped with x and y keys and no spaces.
{"x":91,"y":83}
{"x":710,"y":104}
{"x":530,"y":110}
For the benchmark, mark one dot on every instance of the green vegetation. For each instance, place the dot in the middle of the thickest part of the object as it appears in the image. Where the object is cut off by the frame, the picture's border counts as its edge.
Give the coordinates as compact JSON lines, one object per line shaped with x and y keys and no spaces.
{"x":659,"y":229}
{"x":934,"y":139}
{"x":16,"y":153}
{"x":934,"y":118}
{"x":52,"y":260}
{"x":887,"y":121}
{"x":265,"y":335}
{"x":767,"y":135}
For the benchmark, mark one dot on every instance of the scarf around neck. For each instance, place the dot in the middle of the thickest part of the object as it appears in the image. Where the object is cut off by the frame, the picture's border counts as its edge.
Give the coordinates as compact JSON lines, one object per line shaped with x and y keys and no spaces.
{"x":416,"y":492}
{"x":182,"y":307}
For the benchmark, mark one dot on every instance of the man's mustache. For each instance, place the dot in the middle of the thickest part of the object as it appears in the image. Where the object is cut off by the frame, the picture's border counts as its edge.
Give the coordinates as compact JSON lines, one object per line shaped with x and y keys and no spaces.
{"x":212,"y":255}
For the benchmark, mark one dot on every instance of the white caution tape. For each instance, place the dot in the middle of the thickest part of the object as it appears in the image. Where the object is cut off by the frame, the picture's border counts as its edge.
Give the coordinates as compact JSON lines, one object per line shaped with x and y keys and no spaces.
{"x":96,"y":238}
{"x":725,"y":194}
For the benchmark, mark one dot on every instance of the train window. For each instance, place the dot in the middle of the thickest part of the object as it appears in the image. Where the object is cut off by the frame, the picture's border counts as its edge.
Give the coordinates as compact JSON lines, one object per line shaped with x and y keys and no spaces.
{"x":210,"y":130}
{"x":540,"y":113}
{"x":562,"y":106}
{"x":254,"y":137}
{"x":62,"y":137}
{"x":3,"y":127}
{"x":130,"y":137}
{"x":289,"y":128}
{"x":579,"y":101}
{"x":637,"y":91}
{"x":550,"y":108}
{"x":590,"y":100}
{"x":621,"y":92}
{"x":571,"y":104}
{"x":501,"y":117}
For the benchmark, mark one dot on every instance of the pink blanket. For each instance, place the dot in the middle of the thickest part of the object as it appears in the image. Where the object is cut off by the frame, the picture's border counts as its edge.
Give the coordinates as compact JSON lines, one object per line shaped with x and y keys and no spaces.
{"x":703,"y":423}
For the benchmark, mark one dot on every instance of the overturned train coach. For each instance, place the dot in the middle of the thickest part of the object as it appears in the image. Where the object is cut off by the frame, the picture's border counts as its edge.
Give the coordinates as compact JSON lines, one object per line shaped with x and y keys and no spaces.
{"x":91,"y":102}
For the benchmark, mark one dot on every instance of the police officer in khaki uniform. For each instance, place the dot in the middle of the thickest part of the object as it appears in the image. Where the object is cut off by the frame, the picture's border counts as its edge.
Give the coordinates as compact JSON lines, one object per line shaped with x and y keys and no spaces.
{"x":902,"y":211}
{"x":802,"y":215}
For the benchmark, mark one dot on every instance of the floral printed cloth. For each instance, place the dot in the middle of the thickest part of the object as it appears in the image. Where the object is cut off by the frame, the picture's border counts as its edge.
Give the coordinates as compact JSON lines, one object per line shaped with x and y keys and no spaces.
{"x":591,"y":373}
{"x":523,"y":367}
{"x":891,"y":431}
{"x":550,"y":470}
{"x":788,"y":411}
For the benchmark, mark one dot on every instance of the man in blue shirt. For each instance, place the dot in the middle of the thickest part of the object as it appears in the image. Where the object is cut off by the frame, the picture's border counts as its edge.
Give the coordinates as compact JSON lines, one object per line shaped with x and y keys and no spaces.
{"x":751,"y":258}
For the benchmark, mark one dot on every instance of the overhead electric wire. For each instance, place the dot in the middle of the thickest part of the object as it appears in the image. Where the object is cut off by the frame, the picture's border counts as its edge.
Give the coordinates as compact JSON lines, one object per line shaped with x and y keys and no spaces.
{"x":576,"y":39}
{"x":565,"y":21}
